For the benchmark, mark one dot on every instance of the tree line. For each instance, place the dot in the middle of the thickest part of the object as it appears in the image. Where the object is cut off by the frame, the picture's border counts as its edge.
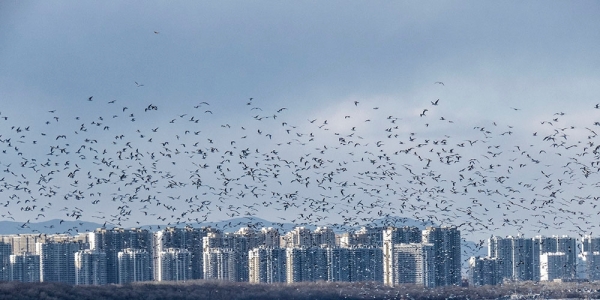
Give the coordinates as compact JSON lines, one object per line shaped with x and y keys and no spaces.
{"x":202,"y":289}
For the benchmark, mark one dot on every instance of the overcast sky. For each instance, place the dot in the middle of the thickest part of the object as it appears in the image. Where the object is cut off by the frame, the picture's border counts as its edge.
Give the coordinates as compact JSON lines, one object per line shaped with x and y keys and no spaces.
{"x":505,"y":66}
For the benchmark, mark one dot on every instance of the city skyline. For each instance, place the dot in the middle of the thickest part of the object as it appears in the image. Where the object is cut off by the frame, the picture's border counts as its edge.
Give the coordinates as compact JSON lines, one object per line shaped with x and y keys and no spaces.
{"x":389,"y":255}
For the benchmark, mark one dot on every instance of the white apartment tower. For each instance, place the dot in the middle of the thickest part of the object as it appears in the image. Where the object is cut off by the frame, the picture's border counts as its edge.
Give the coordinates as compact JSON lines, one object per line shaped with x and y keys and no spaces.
{"x":220,"y":264}
{"x":267,"y":265}
{"x":175,"y":264}
{"x":134,"y":265}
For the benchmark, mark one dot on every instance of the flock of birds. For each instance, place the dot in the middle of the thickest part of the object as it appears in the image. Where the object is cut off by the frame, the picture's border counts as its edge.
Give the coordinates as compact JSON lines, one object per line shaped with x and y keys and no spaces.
{"x":139,"y":165}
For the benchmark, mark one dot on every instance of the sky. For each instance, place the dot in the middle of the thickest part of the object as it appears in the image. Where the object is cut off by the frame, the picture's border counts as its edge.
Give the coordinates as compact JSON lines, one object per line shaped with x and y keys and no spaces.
{"x":308,"y":112}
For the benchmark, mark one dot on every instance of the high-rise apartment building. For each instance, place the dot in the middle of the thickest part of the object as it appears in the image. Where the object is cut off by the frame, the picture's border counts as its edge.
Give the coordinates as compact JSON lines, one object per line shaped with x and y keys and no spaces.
{"x":365,"y":264}
{"x":300,"y":264}
{"x":134,"y":265}
{"x":298,"y":237}
{"x":410,"y":263}
{"x":175,"y":264}
{"x":22,"y":243}
{"x":57,"y":261}
{"x":554,"y":265}
{"x":564,"y":244}
{"x":187,"y":238}
{"x":90,"y":267}
{"x":501,"y":249}
{"x":364,"y":237}
{"x":524,"y":258}
{"x":25,"y":267}
{"x":484,"y":271}
{"x":518,"y":256}
{"x":590,"y":244}
{"x":220,"y":264}
{"x":568,"y":246}
{"x":337,"y":264}
{"x":271,"y":237}
{"x":323,"y":236}
{"x":592,"y":265}
{"x":267,"y":265}
{"x":447,"y":250}
{"x":112,"y":241}
{"x":405,"y":235}
{"x":240,"y":243}
{"x":5,"y":252}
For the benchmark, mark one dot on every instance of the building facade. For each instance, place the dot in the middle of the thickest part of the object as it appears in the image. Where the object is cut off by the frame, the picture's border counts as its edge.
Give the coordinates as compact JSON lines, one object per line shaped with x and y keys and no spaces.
{"x":25,"y":267}
{"x":115,"y":240}
{"x":267,"y":265}
{"x":175,"y":264}
{"x":90,"y":267}
{"x":447,"y":250}
{"x":484,"y":271}
{"x":411,"y":263}
{"x":134,"y":265}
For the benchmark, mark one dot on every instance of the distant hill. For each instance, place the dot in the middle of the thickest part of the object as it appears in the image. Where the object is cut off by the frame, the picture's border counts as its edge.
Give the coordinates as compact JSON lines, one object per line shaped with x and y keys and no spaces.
{"x":47,"y":227}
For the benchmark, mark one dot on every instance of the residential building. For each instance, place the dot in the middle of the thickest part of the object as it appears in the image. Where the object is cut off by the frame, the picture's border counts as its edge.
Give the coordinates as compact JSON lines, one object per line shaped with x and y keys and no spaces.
{"x":220,"y":264}
{"x":484,"y":271}
{"x":267,"y":265}
{"x":323,"y":236}
{"x":175,"y":264}
{"x":554,"y":265}
{"x":115,"y":240}
{"x":25,"y":267}
{"x":410,"y":263}
{"x":134,"y":265}
{"x":447,"y":250}
{"x":298,"y":237}
{"x":188,"y":238}
{"x":57,"y":261}
{"x":90,"y":267}
{"x":365,"y":264}
{"x":5,"y":252}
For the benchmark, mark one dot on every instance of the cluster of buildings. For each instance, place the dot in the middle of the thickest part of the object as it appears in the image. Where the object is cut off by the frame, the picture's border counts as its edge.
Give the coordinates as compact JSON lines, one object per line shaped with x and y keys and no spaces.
{"x":430,"y":257}
{"x":556,"y":258}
